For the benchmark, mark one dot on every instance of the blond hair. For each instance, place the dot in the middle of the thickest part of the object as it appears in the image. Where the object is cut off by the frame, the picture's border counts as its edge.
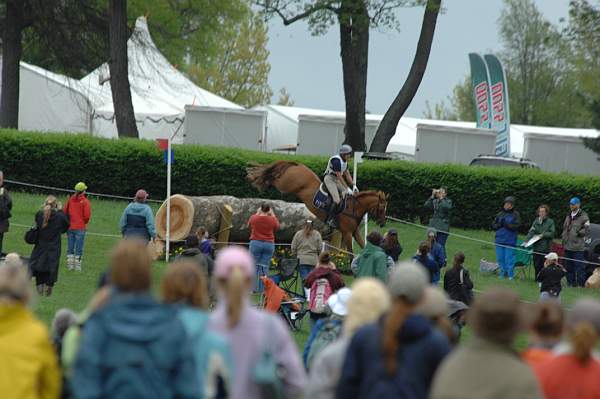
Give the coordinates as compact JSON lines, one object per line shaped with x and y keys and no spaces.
{"x":14,"y":259}
{"x":50,"y":204}
{"x":369,"y":300}
{"x":233,"y":288}
{"x":183,"y":282}
{"x":14,"y":284}
{"x":583,"y":337}
{"x":130,"y":266}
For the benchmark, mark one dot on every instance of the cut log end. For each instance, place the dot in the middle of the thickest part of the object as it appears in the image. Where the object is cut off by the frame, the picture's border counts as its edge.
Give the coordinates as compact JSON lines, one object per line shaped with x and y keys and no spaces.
{"x":182,"y":218}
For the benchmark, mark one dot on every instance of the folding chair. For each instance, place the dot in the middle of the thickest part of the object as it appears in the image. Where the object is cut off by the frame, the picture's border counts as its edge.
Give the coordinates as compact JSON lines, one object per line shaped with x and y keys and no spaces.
{"x":288,"y":276}
{"x":523,"y":260}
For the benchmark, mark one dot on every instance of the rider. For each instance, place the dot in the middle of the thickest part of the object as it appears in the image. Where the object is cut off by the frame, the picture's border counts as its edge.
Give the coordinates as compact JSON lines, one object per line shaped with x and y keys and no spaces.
{"x":338,"y":179}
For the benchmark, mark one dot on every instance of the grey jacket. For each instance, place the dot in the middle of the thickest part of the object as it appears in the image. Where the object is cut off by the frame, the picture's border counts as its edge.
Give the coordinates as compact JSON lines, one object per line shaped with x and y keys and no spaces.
{"x":307,"y":249}
{"x":326,"y":370}
{"x":481,"y":369}
{"x":5,"y":201}
{"x":574,"y":231}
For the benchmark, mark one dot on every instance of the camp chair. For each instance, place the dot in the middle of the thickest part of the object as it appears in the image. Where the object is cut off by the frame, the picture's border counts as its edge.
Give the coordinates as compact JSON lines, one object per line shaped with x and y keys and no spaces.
{"x":288,"y":276}
{"x":276,"y":300}
{"x":523,"y":260}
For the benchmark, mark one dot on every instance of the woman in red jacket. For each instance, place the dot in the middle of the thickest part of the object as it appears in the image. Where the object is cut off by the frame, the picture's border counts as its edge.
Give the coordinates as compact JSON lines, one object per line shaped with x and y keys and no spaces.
{"x":79,"y":213}
{"x":263,"y":225}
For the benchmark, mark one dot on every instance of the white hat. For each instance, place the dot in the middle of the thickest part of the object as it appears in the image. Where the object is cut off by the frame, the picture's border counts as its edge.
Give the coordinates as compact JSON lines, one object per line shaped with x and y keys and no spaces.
{"x":338,"y":302}
{"x":552,"y":256}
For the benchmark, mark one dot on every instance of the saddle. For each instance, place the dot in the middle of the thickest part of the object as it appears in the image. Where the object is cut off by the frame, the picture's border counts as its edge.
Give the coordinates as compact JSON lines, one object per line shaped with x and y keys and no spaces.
{"x":322,"y":200}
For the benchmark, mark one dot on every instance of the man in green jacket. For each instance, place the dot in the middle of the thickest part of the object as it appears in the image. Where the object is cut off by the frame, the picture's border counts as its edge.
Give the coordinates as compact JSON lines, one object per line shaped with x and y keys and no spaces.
{"x":373,"y":261}
{"x":575,"y":228}
{"x":542,"y":227}
{"x":441,"y":206}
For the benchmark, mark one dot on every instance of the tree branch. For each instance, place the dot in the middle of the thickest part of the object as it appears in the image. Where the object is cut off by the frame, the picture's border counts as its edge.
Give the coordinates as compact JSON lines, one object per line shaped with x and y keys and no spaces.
{"x":287,"y":20}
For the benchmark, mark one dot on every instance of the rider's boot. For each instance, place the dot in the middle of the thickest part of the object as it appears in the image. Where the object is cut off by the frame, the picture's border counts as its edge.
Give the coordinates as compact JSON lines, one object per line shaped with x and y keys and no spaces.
{"x":330,"y":221}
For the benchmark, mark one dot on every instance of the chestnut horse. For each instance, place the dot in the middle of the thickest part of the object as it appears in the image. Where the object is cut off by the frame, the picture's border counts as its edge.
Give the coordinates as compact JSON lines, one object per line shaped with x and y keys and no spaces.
{"x":294,"y":178}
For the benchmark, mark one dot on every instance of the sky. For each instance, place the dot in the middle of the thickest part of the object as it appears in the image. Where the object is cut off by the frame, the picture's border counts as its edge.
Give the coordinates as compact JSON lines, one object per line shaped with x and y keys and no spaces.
{"x":309,"y":67}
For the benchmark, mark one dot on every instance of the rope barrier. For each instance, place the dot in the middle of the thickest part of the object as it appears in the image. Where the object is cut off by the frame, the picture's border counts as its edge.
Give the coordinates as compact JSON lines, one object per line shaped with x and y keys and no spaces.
{"x":483,"y":241}
{"x":66,"y":190}
{"x":87,"y":232}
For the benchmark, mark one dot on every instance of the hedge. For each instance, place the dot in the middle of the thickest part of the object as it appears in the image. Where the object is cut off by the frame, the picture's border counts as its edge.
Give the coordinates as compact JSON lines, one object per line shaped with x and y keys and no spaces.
{"x":122,"y":166}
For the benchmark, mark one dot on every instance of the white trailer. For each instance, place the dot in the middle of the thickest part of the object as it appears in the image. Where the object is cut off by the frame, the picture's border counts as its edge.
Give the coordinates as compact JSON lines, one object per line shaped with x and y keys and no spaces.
{"x":323,"y":134}
{"x":447,"y":144}
{"x":554,"y":153}
{"x":227,"y":127}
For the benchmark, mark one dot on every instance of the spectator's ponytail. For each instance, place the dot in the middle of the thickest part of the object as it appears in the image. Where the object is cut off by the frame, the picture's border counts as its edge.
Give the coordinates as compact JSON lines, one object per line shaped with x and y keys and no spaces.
{"x":583,"y":338}
{"x":49,"y":204}
{"x":234,"y":287}
{"x":391,"y":332}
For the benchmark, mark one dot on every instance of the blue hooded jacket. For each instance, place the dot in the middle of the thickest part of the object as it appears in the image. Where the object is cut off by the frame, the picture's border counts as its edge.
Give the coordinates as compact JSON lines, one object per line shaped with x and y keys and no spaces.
{"x":134,"y":348}
{"x":421,"y":350}
{"x":214,"y":363}
{"x":138,"y":220}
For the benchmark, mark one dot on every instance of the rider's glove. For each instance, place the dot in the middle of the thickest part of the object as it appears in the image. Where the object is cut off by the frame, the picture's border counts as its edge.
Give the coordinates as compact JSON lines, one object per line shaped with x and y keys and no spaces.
{"x":354,"y":189}
{"x":349,"y":191}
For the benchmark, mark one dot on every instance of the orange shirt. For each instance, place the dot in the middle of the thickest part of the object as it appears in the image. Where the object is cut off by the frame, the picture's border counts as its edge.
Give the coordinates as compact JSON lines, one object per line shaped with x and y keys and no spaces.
{"x":565,"y":378}
{"x":536,"y":356}
{"x":262,"y":227}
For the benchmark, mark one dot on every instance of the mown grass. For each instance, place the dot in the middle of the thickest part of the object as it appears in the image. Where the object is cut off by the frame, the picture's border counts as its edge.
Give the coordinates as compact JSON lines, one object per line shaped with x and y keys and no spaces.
{"x":74,"y":289}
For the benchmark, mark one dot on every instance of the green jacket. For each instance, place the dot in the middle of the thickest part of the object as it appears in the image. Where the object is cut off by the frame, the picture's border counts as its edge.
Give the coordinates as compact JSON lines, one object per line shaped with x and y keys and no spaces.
{"x":546,"y":229}
{"x":575,"y":230}
{"x":373,"y":262}
{"x":441,"y":213}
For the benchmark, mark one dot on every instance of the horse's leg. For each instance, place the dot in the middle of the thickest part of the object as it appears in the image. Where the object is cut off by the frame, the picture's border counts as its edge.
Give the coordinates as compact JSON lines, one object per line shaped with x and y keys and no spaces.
{"x":347,"y":241}
{"x":359,"y":238}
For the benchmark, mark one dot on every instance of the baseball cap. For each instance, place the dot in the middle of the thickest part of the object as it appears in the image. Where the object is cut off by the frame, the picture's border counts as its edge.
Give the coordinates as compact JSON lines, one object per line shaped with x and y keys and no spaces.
{"x":510,"y":199}
{"x":80,"y":187}
{"x":552,"y":256}
{"x":338,"y":302}
{"x":408,"y":280}
{"x":141,"y":194}
{"x":392,"y":232}
{"x":585,"y":310}
{"x":575,"y":201}
{"x":431,"y":232}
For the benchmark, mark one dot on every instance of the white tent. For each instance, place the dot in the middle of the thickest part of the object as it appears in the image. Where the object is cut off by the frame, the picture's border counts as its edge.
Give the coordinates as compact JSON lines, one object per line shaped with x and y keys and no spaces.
{"x":159,"y":91}
{"x":51,"y":102}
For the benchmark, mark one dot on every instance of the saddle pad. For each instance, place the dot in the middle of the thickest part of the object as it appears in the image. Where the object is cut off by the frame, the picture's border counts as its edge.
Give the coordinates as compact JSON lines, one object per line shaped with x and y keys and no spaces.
{"x":321,"y":200}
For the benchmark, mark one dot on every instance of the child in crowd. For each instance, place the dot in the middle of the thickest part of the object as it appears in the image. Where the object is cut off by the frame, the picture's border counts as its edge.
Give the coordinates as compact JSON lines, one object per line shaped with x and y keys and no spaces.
{"x":550,"y":277}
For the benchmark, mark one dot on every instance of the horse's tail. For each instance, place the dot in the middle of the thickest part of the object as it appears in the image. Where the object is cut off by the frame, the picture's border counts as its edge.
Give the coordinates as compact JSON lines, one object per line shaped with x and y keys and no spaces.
{"x":263,"y":176}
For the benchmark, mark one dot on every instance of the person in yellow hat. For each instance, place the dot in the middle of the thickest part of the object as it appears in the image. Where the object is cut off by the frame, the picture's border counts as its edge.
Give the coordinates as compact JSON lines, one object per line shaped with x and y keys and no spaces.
{"x":79,"y":211}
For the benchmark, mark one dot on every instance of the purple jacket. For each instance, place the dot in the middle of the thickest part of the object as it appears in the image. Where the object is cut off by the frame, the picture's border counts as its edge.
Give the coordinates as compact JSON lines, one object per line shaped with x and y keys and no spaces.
{"x":255,"y":331}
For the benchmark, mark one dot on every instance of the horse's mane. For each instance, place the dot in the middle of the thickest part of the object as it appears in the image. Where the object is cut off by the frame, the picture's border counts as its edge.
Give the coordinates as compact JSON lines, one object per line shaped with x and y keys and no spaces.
{"x":262,"y":176}
{"x":368,"y":193}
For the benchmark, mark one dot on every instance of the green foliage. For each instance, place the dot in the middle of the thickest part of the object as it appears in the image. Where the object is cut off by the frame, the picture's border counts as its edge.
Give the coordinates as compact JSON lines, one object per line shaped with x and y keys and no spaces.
{"x":122,"y":166}
{"x":239,"y":70}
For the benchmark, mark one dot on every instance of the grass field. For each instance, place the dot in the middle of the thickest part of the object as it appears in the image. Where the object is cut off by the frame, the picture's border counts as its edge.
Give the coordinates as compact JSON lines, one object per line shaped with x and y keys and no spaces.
{"x":74,"y":289}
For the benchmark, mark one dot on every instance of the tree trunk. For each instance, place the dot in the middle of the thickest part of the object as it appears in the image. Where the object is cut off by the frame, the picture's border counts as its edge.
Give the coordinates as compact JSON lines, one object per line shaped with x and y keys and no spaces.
{"x":190,"y":213}
{"x":11,"y":57}
{"x":354,"y":43}
{"x":118,"y":66}
{"x":387,"y":127}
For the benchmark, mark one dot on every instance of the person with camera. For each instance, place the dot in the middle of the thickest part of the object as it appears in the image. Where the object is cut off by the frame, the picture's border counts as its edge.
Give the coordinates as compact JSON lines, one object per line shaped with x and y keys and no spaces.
{"x":441,"y":206}
{"x":506,"y":224}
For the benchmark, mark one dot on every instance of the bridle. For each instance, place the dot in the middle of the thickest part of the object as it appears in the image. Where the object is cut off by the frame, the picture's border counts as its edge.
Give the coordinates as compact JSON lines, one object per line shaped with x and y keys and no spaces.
{"x":375,"y":212}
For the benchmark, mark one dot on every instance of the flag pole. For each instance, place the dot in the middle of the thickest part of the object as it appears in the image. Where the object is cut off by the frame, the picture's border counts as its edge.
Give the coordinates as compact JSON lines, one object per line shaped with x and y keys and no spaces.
{"x":169,"y":160}
{"x":168,"y":235}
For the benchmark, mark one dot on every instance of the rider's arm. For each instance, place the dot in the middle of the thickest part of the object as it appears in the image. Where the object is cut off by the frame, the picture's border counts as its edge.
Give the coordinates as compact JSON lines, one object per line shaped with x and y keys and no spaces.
{"x":340,"y":176}
{"x":348,"y":177}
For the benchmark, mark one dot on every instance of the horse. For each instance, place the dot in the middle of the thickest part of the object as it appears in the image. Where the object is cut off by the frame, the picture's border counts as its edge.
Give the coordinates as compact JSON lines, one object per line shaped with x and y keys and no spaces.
{"x":290,"y":177}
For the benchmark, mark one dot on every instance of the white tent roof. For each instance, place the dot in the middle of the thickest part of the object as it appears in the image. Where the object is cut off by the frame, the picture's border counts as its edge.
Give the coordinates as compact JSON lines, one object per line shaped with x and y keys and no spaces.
{"x":157,"y":87}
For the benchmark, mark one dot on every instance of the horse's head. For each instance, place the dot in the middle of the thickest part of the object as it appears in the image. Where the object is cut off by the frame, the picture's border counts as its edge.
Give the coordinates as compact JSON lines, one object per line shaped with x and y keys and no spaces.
{"x":378,"y":212}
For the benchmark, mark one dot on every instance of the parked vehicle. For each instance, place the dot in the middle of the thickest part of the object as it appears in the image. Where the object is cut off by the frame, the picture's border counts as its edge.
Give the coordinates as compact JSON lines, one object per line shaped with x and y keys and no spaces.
{"x":494,"y":160}
{"x":592,"y":243}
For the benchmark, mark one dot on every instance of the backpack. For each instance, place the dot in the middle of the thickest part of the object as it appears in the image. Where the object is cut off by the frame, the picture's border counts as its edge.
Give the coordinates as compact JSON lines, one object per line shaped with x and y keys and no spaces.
{"x":329,"y":332}
{"x":320,"y":291}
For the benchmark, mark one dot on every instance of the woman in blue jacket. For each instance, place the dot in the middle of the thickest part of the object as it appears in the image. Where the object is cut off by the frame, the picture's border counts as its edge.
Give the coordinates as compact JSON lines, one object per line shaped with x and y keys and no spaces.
{"x":134,"y":347}
{"x":184,"y":285}
{"x":506,"y":224}
{"x":397,"y":356}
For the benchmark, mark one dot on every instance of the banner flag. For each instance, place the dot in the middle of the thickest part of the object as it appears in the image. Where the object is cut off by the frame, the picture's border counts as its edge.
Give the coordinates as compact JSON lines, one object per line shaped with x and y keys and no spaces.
{"x":481,"y":91}
{"x":500,"y":106}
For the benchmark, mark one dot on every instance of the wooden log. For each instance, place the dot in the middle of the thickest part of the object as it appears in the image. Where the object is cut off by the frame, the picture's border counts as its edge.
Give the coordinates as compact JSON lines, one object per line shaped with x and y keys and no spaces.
{"x":190,"y":213}
{"x":225,"y":227}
